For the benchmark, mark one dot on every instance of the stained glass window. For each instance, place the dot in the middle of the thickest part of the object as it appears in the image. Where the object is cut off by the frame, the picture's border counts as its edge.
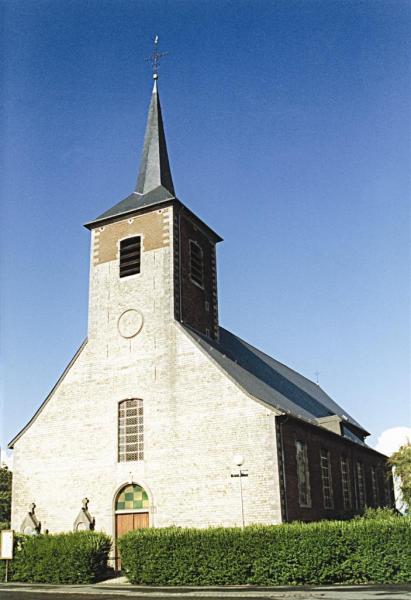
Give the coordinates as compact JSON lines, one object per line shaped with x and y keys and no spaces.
{"x":328,"y":498}
{"x":346,"y":482}
{"x":304,"y":493}
{"x":361,"y":485}
{"x":130,"y":430}
{"x":132,"y":497}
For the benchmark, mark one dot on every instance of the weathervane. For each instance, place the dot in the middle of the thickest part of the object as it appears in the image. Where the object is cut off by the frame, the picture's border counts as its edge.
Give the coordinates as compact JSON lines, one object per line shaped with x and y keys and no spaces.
{"x":154,"y":59}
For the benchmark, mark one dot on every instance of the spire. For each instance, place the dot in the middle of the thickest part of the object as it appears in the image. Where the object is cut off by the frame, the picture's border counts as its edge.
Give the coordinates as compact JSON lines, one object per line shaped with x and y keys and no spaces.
{"x":154,"y":182}
{"x":154,"y":166}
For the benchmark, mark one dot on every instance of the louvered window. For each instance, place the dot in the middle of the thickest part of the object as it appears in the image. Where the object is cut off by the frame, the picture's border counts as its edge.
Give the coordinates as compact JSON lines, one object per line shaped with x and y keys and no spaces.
{"x":196,"y":264}
{"x":303,"y":476}
{"x":130,"y":255}
{"x":326,"y":479}
{"x":346,"y":482}
{"x":130,"y":430}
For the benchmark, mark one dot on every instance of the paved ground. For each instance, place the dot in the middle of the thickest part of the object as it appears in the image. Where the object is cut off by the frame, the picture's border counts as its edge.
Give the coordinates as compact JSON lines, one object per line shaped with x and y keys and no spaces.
{"x":107,"y":591}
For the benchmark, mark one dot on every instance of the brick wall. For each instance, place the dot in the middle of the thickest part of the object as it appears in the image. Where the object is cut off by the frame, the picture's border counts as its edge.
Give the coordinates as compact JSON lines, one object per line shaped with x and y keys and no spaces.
{"x":289,"y":430}
{"x":195,"y":306}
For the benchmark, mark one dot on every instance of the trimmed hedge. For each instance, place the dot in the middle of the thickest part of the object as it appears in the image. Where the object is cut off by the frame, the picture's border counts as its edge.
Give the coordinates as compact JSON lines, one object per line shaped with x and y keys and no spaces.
{"x":79,"y":557}
{"x":358,"y":551}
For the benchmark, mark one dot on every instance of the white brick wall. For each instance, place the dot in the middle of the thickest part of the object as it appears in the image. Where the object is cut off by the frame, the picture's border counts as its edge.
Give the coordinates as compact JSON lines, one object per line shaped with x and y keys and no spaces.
{"x":196,"y":419}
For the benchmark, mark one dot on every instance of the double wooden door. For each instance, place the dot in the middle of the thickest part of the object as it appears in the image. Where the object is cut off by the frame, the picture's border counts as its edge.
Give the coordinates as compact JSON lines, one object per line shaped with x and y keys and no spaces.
{"x":128,"y":522}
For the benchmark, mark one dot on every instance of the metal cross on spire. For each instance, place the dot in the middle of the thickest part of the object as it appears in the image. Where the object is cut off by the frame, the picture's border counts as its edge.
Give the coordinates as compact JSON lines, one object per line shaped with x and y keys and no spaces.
{"x":155,"y":57}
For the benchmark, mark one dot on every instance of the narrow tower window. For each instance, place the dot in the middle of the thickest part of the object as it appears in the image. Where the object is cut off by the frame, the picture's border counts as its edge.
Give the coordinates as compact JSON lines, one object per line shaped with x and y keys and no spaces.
{"x":196,"y":264}
{"x":130,"y":254}
{"x":130,"y":430}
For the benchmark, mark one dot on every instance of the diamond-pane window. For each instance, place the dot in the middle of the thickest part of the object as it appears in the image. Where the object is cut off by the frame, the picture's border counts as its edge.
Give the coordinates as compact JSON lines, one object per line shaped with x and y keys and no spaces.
{"x":130,"y":430}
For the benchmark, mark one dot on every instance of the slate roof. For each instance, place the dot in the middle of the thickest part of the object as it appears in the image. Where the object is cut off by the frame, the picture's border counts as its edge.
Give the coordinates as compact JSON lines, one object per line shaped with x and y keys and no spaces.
{"x":134,"y":202}
{"x":270,"y":381}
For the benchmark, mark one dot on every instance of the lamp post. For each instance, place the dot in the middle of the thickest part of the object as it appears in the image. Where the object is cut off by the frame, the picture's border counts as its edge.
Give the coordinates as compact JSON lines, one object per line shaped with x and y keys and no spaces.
{"x":238,"y":461}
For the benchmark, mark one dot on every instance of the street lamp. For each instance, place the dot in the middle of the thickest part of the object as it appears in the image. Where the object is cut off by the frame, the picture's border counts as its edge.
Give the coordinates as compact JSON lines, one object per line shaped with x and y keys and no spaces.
{"x":238,"y":460}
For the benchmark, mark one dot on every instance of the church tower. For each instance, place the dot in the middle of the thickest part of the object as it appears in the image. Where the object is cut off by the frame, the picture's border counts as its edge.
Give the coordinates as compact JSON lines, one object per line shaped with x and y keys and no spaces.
{"x":151,"y":251}
{"x":142,"y":427}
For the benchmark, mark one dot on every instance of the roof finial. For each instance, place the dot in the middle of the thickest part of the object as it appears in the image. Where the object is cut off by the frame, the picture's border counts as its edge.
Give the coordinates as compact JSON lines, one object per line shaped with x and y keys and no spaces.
{"x":155,"y":58}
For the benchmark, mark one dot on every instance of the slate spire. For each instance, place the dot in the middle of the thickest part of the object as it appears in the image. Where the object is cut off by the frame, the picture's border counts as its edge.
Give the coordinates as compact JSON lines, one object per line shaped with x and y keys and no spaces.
{"x":154,"y":166}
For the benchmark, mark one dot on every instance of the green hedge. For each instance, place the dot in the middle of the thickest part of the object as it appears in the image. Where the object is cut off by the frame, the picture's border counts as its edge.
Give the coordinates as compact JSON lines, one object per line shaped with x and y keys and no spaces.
{"x":79,"y":557}
{"x":358,"y":551}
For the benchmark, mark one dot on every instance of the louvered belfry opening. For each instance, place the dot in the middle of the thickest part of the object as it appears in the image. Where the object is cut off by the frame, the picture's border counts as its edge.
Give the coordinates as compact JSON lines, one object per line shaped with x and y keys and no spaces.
{"x":196,"y":264}
{"x":130,"y":430}
{"x":130,"y":256}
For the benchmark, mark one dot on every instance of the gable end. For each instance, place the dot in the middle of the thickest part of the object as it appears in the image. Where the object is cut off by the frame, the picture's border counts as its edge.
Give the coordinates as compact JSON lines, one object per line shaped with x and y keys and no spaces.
{"x":38,"y":411}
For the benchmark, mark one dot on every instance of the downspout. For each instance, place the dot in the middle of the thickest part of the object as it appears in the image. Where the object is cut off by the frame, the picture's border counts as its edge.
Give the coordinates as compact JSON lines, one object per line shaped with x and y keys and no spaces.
{"x":180,"y":298}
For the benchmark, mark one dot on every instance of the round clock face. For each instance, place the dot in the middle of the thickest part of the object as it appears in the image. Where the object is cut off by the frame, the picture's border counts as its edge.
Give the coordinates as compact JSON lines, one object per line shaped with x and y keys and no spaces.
{"x":130,"y":323}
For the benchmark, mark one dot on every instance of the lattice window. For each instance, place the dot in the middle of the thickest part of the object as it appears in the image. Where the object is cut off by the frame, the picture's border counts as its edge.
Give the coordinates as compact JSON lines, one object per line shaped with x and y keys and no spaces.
{"x":130,"y":430}
{"x":196,"y":263}
{"x":130,"y":256}
{"x":132,"y":497}
{"x":326,"y":479}
{"x":374,"y":484}
{"x":360,"y":485}
{"x":346,"y":482}
{"x":303,"y":475}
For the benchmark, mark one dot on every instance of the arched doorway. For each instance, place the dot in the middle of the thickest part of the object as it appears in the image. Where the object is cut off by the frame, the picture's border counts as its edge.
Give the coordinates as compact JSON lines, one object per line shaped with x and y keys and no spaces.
{"x":131,"y":511}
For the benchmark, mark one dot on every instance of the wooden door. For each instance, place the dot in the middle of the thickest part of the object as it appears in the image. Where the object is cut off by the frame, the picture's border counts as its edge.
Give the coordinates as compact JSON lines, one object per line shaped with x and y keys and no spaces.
{"x":128,"y":522}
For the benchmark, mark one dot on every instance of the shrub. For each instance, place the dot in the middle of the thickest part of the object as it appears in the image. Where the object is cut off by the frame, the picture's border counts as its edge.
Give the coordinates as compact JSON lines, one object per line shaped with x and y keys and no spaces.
{"x":79,"y":557}
{"x":379,"y":513}
{"x":358,"y":551}
{"x":5,"y":495}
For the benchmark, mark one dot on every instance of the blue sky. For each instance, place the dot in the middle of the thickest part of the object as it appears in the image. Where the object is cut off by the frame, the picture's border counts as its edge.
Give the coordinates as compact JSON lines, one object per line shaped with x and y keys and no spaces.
{"x":288,"y":127}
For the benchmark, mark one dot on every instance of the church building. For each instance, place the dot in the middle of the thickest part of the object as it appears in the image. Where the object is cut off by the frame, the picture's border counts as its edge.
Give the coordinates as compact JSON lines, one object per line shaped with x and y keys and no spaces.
{"x":163,"y":417}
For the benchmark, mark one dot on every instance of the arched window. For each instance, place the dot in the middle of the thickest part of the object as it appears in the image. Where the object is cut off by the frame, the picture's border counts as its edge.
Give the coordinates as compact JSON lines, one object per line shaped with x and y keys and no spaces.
{"x":130,"y":430}
{"x":132,"y":497}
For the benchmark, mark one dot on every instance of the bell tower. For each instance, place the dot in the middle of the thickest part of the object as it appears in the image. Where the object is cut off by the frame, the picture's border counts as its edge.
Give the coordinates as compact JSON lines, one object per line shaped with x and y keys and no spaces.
{"x":149,"y":250}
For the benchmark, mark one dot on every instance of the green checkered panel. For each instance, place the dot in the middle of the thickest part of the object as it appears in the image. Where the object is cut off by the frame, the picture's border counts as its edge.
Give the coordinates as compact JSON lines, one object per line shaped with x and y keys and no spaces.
{"x":132,"y":497}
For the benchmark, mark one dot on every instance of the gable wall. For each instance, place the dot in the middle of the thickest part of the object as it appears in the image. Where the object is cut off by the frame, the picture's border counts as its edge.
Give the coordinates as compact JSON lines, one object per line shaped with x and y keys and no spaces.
{"x":195,"y":420}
